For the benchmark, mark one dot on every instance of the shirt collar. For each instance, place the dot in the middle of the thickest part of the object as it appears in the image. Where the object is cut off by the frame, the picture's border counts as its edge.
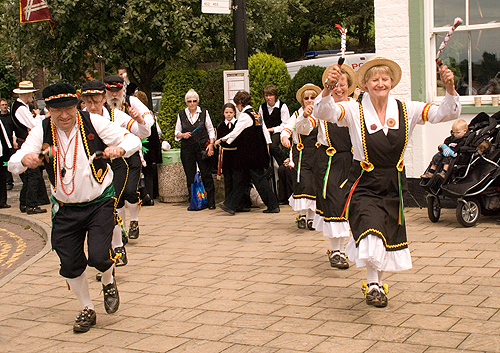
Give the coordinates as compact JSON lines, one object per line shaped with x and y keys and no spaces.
{"x":371,"y":118}
{"x":232,"y":121}
{"x":276,"y":105}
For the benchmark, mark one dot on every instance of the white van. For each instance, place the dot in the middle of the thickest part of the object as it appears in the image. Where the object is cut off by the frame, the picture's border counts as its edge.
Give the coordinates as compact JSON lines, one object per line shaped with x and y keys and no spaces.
{"x":355,"y":60}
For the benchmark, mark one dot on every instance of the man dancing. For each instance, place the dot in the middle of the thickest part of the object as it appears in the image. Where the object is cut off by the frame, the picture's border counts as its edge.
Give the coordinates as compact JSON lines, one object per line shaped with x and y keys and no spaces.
{"x":82,"y":191}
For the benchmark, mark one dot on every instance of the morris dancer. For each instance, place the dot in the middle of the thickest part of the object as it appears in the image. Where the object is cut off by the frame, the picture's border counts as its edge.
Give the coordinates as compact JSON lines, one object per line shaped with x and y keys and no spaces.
{"x":380,"y":127}
{"x":82,"y":205}
{"x":94,"y":97}
{"x":303,"y":199}
{"x":332,"y":164}
{"x":117,"y":99}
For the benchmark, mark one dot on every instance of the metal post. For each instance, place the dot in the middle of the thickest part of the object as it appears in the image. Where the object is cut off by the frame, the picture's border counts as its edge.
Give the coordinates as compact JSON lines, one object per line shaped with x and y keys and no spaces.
{"x":240,"y":35}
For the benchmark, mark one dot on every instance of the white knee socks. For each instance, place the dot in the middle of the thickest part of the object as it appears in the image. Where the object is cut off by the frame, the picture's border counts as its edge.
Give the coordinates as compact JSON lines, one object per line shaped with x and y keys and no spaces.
{"x":107,"y":276}
{"x":336,"y":244}
{"x":133,"y":208}
{"x":80,"y":288}
{"x":117,"y":237}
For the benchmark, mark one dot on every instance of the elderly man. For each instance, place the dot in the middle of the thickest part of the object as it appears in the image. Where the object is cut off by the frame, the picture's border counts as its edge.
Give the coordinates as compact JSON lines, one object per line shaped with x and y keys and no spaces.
{"x":69,"y":144}
{"x":24,"y":121}
{"x":94,"y":97}
{"x":117,"y":99}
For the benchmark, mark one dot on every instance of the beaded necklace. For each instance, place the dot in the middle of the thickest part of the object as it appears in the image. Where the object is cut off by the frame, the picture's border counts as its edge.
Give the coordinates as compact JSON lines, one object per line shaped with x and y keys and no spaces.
{"x":62,"y":171}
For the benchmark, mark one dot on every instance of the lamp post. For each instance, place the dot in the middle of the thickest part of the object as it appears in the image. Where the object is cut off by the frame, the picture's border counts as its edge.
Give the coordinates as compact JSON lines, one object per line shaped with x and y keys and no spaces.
{"x":240,"y":35}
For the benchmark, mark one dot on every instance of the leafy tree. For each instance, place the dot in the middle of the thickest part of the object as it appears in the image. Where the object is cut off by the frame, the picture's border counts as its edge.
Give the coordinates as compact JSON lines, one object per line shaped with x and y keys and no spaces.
{"x":8,"y":80}
{"x":307,"y":74}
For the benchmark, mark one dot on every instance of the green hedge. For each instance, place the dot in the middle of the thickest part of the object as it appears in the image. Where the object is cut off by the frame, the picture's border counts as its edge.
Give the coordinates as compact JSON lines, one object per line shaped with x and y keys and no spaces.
{"x":265,"y":69}
{"x":177,"y":83}
{"x":306,"y":74}
{"x":212,"y":93}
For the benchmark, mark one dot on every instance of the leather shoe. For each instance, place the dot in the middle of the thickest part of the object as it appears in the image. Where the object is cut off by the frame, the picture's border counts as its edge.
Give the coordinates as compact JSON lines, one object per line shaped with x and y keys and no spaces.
{"x":274,"y":210}
{"x":133,"y":231}
{"x":35,"y":210}
{"x":243,"y":209}
{"x":211,"y":207}
{"x":111,"y":298}
{"x":84,"y":321}
{"x":122,"y":259}
{"x":4,"y":205}
{"x":22,"y":209}
{"x":226,"y":209}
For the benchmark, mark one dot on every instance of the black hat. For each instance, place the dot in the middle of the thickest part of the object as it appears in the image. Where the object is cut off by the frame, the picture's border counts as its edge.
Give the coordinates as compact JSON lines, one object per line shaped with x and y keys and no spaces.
{"x":94,"y":87}
{"x":60,"y":95}
{"x":114,"y":83}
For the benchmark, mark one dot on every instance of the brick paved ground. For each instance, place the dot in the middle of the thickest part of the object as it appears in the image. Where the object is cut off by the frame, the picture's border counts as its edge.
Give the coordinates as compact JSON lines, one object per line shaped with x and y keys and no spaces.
{"x":253,"y":283}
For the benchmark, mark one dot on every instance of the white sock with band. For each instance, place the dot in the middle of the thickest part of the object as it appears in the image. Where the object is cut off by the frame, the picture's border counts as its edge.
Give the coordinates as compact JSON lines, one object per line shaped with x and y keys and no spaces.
{"x":80,"y":288}
{"x":133,"y":208}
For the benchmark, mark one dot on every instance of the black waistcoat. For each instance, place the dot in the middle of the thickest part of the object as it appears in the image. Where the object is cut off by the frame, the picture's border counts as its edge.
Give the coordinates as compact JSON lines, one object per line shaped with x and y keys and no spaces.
{"x":251,"y":145}
{"x":273,"y":119}
{"x":91,"y":141}
{"x":20,"y":129}
{"x":199,"y":136}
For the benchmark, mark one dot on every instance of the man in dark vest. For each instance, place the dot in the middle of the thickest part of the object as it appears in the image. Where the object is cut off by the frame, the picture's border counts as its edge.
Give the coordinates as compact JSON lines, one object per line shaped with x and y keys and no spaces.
{"x":116,"y":98}
{"x":69,"y":143}
{"x":24,"y":121}
{"x":275,"y":114}
{"x":251,"y":138}
{"x":6,"y":119}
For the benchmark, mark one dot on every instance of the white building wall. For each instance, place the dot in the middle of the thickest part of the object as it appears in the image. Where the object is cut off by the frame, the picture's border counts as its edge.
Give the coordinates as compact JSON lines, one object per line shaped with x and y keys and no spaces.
{"x":392,"y":40}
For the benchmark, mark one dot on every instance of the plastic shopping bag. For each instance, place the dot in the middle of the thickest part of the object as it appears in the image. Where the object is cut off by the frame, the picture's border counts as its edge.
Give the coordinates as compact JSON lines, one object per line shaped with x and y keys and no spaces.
{"x":199,"y":199}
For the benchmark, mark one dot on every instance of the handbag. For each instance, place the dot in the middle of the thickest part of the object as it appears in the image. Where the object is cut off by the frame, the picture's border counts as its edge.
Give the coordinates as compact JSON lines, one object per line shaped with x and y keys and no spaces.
{"x":198,"y":199}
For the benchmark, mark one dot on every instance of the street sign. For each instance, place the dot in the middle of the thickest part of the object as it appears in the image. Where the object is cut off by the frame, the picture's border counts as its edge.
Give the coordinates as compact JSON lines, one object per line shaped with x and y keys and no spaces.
{"x":218,"y":6}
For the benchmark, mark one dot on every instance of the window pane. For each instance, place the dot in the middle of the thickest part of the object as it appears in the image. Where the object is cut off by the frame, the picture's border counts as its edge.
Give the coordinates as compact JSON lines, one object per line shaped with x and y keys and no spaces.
{"x":445,"y":11}
{"x":455,"y":55}
{"x":484,"y":11}
{"x":486,"y":61}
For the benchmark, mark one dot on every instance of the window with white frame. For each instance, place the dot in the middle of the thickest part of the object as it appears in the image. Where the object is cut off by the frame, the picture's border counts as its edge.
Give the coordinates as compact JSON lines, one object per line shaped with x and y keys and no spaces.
{"x":473,"y":52}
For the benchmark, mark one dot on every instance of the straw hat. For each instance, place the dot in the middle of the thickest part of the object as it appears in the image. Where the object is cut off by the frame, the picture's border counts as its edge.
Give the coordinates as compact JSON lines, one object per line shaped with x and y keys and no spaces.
{"x":24,"y":87}
{"x":307,"y":87}
{"x":379,"y":60}
{"x":350,"y":72}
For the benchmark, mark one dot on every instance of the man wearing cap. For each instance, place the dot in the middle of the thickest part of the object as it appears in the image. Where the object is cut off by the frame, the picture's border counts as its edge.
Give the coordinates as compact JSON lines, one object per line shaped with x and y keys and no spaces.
{"x":94,"y":97}
{"x":24,"y":121}
{"x":116,"y":98}
{"x":69,"y":144}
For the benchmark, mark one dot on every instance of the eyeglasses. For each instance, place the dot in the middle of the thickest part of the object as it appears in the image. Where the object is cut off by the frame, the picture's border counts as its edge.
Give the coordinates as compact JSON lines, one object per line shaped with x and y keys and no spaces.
{"x":192,"y":101}
{"x":309,"y":98}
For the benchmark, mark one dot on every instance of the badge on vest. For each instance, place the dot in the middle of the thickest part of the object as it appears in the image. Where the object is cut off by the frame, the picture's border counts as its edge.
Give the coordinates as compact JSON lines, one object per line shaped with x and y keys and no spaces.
{"x":391,"y":122}
{"x":99,"y":173}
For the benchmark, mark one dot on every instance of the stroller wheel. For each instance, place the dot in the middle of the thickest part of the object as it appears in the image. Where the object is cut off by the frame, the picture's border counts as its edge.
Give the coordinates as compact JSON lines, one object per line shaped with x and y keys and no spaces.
{"x":433,"y":208}
{"x":468,"y":212}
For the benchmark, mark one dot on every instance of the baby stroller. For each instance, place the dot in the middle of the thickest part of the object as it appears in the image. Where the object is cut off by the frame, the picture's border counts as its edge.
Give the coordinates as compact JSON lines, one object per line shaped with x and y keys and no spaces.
{"x":472,"y":176}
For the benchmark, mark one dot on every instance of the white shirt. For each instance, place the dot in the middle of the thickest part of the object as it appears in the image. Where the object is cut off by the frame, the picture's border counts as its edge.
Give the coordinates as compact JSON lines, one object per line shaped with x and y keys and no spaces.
{"x":25,"y":117}
{"x":192,"y":119}
{"x":325,"y":108}
{"x":304,"y":126}
{"x":7,"y":138}
{"x":144,"y":111}
{"x":85,"y":188}
{"x":285,"y":114}
{"x":244,"y":121}
{"x":127,"y":122}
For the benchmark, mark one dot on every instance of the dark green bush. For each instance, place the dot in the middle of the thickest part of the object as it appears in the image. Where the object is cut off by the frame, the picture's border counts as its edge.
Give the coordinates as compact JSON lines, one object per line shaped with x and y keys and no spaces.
{"x":306,"y":74}
{"x":265,"y":69}
{"x":177,"y":83}
{"x":212,"y":92}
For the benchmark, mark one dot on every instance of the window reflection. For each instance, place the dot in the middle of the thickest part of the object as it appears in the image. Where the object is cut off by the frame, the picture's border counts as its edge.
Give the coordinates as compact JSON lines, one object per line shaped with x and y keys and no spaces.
{"x":483,"y":11}
{"x":483,"y":76}
{"x":443,"y":9}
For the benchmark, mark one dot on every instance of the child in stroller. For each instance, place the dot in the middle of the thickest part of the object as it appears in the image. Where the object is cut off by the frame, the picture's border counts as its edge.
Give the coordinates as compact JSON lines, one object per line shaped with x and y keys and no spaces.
{"x":448,"y":149}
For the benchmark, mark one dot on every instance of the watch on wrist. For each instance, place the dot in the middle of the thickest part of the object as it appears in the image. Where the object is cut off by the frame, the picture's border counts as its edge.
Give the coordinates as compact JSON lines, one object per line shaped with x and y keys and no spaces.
{"x":329,"y":87}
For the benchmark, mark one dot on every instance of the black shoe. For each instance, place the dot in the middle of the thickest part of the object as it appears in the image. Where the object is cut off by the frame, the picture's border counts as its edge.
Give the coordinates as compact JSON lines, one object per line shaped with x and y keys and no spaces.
{"x":284,"y":202}
{"x":122,"y":259}
{"x":10,"y":186}
{"x":133,"y":231}
{"x":124,"y":237}
{"x":148,"y":203}
{"x":211,"y":207}
{"x":376,"y":296}
{"x":35,"y":210}
{"x":22,"y":209}
{"x":226,"y":209}
{"x":337,"y":260}
{"x":84,"y":321}
{"x":310,"y":224}
{"x":4,"y":205}
{"x":111,"y":298}
{"x":301,"y":222}
{"x":243,"y":209}
{"x":274,"y":210}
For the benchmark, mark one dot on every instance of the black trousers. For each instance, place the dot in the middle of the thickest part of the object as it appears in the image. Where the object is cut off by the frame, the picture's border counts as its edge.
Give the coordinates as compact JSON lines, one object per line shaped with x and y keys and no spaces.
{"x":3,"y":184}
{"x":190,"y":157}
{"x":275,"y":149}
{"x":131,"y":191}
{"x":285,"y":189}
{"x":120,"y":175}
{"x":32,"y":180}
{"x":150,"y":172}
{"x":241,"y":181}
{"x":71,"y":225}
